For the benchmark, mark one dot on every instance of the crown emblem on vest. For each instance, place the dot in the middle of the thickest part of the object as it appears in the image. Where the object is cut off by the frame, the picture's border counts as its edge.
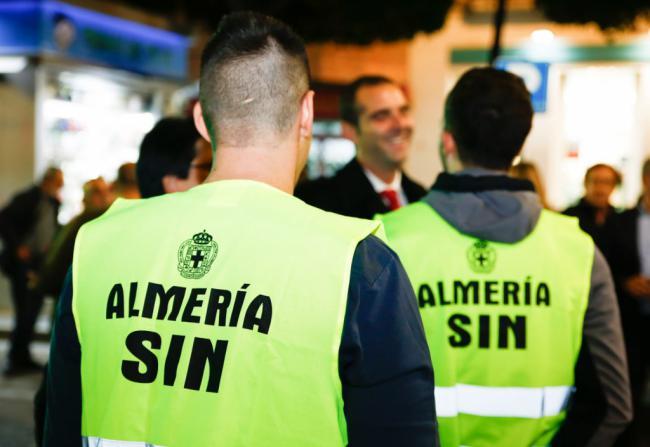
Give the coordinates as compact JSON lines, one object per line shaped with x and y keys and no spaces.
{"x":482,"y":258}
{"x":202,"y":238}
{"x":196,"y":255}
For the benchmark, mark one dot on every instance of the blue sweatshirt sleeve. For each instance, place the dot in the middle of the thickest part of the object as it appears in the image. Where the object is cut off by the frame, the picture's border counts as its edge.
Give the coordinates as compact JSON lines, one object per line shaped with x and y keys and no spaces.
{"x":384,"y":361}
{"x":63,"y":410}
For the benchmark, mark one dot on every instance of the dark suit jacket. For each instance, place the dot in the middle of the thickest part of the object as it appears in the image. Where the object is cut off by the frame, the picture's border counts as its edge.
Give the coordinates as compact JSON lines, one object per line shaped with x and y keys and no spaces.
{"x":350,"y":193}
{"x":586,"y":215}
{"x":622,"y":252}
{"x":17,"y":221}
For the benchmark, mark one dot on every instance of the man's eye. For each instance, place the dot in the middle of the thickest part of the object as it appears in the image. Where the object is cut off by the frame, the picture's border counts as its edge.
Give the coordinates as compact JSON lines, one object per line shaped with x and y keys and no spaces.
{"x":380,"y":116}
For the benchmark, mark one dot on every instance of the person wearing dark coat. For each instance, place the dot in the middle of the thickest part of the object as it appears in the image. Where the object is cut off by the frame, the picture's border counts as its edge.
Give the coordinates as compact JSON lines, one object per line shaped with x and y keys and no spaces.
{"x":376,"y":116}
{"x":594,"y":210}
{"x":27,"y":227}
{"x":627,"y":238}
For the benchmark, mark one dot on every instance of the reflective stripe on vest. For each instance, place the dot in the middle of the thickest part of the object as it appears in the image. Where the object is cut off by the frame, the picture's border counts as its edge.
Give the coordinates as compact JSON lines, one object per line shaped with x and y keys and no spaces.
{"x":503,"y":323}
{"x":214,"y":317}
{"x":92,"y":441}
{"x":516,"y":402}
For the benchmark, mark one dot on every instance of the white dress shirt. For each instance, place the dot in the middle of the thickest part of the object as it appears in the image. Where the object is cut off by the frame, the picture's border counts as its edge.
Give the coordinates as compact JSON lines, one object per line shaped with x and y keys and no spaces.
{"x":380,"y":186}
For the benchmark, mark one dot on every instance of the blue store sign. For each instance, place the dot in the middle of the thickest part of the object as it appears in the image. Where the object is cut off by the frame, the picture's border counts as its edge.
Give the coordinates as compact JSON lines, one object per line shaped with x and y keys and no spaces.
{"x":535,"y":75}
{"x":52,"y":27}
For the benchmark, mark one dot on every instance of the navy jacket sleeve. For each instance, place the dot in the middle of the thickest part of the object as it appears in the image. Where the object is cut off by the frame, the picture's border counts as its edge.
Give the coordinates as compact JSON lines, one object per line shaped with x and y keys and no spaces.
{"x":384,"y":361}
{"x":63,"y":410}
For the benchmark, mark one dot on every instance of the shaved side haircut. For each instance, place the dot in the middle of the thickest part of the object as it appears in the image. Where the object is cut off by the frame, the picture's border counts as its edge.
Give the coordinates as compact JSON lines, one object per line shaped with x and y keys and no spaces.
{"x":254,"y":73}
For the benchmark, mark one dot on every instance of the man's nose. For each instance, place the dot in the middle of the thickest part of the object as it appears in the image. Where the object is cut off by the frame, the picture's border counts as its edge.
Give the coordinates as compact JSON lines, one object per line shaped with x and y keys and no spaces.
{"x":400,"y":121}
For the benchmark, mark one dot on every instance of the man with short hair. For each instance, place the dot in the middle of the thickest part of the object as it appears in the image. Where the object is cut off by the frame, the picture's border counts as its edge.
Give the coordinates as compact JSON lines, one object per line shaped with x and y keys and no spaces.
{"x":517,"y":303}
{"x":594,"y":210}
{"x":377,"y":118}
{"x":173,"y":158}
{"x":237,"y":314}
{"x":28,"y":225}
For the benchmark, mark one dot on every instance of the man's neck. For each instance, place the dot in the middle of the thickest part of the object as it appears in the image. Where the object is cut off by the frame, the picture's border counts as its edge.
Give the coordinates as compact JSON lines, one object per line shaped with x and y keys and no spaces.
{"x":274,"y":166}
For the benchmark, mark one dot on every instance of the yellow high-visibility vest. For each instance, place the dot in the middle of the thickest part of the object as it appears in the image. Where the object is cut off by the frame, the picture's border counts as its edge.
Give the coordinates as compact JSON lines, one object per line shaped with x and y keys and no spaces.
{"x":213,"y":317}
{"x":503,"y":323}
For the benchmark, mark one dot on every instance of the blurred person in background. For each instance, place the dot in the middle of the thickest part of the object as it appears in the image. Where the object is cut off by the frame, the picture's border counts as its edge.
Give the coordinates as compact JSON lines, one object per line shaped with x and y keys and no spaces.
{"x":528,"y":171}
{"x":97,"y":197}
{"x":517,"y":303}
{"x":594,"y":210}
{"x":126,"y":183}
{"x":173,"y":158}
{"x":628,"y":243}
{"x":28,"y":225}
{"x":376,"y":116}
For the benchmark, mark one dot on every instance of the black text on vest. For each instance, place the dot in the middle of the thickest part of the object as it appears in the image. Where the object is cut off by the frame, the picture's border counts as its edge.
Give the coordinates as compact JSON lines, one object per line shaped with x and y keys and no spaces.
{"x":193,"y":354}
{"x":143,"y":344}
{"x":463,"y":329}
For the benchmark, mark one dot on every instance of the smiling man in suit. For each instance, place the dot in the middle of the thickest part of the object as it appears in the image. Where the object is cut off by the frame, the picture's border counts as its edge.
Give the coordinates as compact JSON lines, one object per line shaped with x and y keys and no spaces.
{"x":376,"y":117}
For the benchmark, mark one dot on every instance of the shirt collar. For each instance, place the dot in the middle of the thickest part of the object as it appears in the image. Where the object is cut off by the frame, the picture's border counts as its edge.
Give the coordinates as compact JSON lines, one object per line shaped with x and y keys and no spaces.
{"x":380,"y":186}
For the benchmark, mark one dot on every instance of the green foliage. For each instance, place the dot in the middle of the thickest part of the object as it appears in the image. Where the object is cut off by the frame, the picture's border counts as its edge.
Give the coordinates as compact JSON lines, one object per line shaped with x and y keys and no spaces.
{"x":345,"y":21}
{"x":607,"y":14}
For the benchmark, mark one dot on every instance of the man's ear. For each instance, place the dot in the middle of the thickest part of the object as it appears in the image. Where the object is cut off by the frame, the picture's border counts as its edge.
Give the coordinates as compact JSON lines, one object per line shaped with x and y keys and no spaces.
{"x":349,"y":132}
{"x":449,"y":143}
{"x":199,"y":122}
{"x":171,"y":183}
{"x":307,"y":114}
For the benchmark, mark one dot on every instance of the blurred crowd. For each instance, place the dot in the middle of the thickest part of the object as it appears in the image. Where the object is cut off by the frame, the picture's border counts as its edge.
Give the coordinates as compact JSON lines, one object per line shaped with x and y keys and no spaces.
{"x":37,"y":251}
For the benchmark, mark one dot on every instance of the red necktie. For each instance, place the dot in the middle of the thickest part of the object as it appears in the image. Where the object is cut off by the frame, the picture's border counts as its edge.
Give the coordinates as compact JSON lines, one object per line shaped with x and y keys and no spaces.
{"x":389,"y":196}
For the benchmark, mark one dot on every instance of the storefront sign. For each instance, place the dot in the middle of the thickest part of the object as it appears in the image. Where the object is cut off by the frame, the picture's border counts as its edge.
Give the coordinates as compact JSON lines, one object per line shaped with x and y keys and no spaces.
{"x":52,"y":27}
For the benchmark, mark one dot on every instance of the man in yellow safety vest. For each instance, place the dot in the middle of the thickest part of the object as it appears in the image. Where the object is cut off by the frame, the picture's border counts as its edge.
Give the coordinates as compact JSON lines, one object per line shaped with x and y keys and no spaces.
{"x":517,"y":303}
{"x":233,"y":314}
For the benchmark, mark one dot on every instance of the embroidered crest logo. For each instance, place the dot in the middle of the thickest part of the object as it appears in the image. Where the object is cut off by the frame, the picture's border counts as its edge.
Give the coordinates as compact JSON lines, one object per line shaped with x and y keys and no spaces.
{"x":481,"y":257}
{"x":195,"y":256}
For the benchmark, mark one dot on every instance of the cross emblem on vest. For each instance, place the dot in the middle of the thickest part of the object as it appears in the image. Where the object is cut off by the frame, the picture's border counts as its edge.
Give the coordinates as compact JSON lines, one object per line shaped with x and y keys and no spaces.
{"x":195,"y":255}
{"x":481,"y":257}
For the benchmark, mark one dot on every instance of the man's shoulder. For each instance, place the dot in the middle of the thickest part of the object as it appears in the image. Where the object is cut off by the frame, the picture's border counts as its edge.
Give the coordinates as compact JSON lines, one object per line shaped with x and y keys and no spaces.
{"x":26,"y":196}
{"x":628,"y":214}
{"x":573,"y":210}
{"x":133,"y":210}
{"x":623,"y":224}
{"x":371,"y":258}
{"x":564,"y":226}
{"x":330,"y":192}
{"x":413,"y":190}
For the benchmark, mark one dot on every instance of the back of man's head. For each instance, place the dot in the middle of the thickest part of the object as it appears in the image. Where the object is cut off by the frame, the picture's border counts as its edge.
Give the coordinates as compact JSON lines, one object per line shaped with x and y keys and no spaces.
{"x":126,"y":183}
{"x":97,"y":195}
{"x":489,"y":114}
{"x":52,"y":181}
{"x":168,"y":149}
{"x":254,"y":73}
{"x":348,"y":104}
